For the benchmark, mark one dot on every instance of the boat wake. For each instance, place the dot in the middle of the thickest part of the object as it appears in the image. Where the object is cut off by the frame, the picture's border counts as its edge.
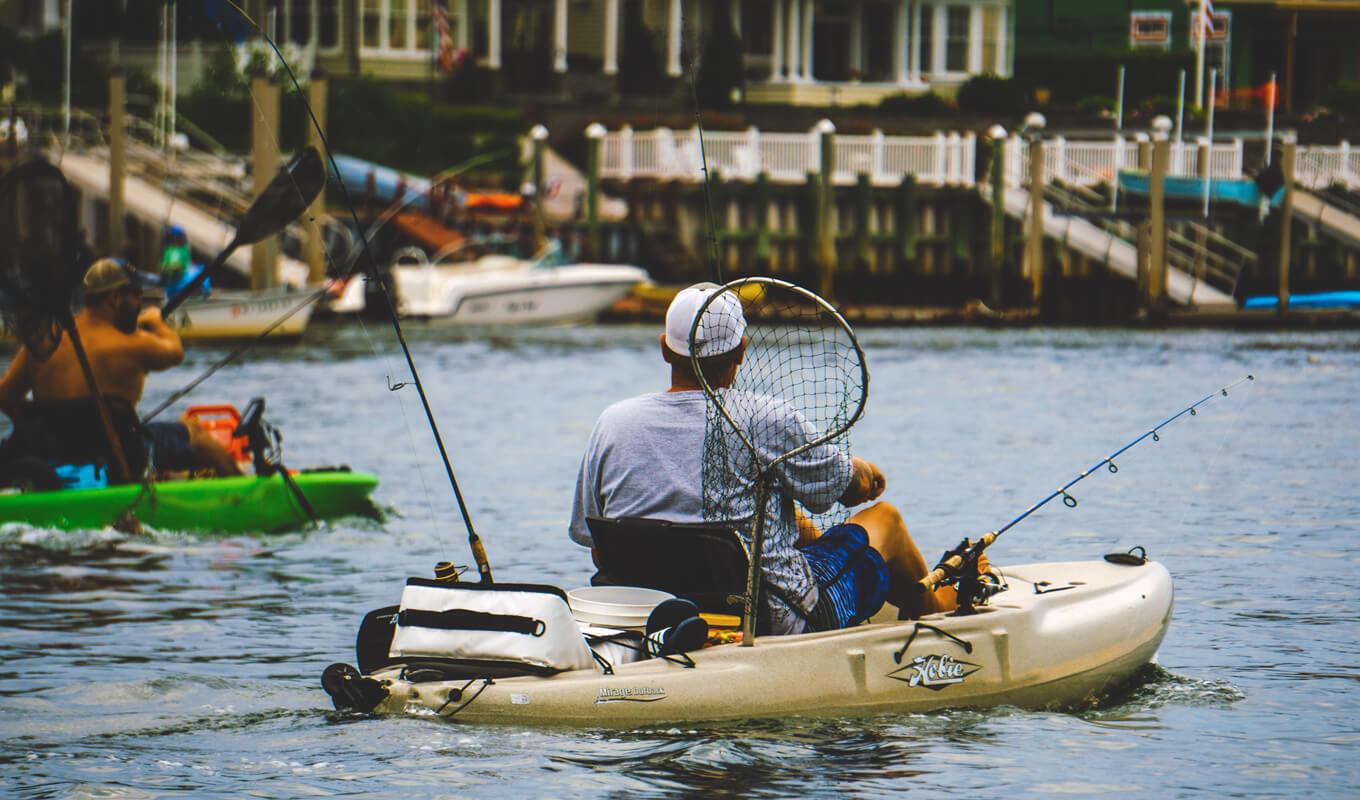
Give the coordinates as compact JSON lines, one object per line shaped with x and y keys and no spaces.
{"x":1154,"y":687}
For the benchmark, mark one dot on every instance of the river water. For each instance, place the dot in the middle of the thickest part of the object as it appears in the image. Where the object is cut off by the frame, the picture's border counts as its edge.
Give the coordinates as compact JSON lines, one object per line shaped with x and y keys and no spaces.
{"x":174,"y":665}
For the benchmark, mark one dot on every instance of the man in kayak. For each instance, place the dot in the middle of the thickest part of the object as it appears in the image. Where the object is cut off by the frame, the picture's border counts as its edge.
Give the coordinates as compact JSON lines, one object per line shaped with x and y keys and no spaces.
{"x":124,"y":342}
{"x":644,"y":458}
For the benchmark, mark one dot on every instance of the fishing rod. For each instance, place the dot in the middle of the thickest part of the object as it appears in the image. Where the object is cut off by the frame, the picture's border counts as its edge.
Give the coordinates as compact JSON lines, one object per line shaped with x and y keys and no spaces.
{"x":952,"y":567}
{"x":382,"y":278}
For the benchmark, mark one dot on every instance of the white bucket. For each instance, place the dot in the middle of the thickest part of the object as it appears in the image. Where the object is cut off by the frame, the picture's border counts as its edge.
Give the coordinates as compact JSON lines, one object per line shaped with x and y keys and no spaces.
{"x":623,"y":607}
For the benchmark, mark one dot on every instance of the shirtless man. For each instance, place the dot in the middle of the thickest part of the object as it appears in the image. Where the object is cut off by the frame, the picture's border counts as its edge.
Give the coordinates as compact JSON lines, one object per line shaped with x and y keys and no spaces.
{"x":124,"y":342}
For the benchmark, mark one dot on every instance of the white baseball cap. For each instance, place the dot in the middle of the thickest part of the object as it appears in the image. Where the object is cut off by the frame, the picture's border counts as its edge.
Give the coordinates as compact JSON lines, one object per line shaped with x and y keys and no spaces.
{"x":720,"y":330}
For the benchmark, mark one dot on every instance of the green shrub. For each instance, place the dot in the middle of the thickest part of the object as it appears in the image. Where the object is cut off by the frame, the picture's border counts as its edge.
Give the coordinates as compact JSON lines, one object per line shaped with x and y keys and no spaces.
{"x":1096,"y":104}
{"x":992,"y":94}
{"x":928,"y":104}
{"x":1072,"y":76}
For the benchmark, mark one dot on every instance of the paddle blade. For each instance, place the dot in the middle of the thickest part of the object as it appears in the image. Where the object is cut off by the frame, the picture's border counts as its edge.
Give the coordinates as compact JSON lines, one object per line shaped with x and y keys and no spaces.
{"x":285,"y":198}
{"x":39,"y":262}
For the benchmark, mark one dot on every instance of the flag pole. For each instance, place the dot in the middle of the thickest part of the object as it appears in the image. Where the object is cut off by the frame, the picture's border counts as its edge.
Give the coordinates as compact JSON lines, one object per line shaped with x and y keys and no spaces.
{"x":1270,"y":116}
{"x":1199,"y":57}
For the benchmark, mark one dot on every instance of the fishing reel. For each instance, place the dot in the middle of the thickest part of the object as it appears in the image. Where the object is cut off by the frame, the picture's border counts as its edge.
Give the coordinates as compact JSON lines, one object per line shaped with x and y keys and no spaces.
{"x":973,"y":589}
{"x":264,"y":440}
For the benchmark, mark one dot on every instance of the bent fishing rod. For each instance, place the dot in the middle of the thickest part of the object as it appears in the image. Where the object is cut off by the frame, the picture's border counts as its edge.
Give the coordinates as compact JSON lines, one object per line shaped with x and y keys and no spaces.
{"x":382,"y":278}
{"x":951,"y":567}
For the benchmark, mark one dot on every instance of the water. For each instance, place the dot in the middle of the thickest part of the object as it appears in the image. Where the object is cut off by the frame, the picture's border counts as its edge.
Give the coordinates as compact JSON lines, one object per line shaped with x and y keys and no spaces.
{"x":169,"y":665}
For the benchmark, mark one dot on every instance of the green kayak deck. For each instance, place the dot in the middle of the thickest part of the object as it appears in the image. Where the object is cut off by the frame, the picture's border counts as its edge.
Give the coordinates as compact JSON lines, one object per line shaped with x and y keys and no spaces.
{"x":232,"y":505}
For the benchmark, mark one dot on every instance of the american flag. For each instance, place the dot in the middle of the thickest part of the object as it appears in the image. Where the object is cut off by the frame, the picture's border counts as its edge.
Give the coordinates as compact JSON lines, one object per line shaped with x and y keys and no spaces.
{"x":443,"y":40}
{"x":1206,"y":17}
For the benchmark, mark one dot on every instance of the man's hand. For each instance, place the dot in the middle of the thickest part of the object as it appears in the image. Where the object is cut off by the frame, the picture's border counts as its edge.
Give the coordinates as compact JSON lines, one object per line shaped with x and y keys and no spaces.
{"x":867,"y":483}
{"x":149,"y":319}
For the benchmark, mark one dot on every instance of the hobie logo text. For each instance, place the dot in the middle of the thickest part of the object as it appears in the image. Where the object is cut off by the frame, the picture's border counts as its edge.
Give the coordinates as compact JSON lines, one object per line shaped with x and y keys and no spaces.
{"x":934,"y":671}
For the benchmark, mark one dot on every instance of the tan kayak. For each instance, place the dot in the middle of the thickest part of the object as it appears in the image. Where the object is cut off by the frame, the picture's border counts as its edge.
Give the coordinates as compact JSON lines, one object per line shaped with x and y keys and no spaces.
{"x":1060,"y":635}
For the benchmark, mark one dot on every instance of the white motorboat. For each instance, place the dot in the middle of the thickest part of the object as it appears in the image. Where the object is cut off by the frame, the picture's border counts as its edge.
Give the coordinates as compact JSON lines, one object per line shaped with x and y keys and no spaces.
{"x":244,"y":314}
{"x":1060,"y":636}
{"x":475,"y":285}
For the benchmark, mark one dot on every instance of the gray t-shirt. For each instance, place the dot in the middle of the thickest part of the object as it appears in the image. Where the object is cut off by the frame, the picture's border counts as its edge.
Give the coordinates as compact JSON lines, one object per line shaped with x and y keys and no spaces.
{"x":645,"y":458}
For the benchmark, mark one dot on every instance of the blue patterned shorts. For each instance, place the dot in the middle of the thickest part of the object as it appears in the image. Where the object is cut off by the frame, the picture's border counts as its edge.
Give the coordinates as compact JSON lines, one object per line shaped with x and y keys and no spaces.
{"x":851,"y":577}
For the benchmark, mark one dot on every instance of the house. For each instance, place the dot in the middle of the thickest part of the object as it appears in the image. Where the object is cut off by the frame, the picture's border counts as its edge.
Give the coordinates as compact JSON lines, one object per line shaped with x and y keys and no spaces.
{"x":1308,"y":45}
{"x":815,"y":52}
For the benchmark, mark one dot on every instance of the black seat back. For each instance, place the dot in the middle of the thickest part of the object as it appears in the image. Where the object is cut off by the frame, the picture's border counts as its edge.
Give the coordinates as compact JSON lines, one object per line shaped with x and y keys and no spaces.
{"x":705,"y":563}
{"x":70,"y":431}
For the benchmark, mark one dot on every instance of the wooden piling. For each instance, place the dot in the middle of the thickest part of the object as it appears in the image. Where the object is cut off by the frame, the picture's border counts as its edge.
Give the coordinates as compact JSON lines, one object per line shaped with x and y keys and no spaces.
{"x":264,"y":93}
{"x":1034,"y":247}
{"x":117,"y":237}
{"x":1156,"y":285}
{"x":314,"y":251}
{"x":1287,"y":148}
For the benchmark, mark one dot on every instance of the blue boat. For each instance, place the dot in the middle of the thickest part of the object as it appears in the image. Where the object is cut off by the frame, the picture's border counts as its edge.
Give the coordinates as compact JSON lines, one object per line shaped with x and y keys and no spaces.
{"x":1346,"y":299}
{"x":1242,"y":191}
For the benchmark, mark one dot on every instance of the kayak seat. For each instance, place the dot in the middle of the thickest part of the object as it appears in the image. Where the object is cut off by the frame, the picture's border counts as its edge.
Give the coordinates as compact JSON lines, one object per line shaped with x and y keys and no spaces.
{"x":70,"y":432}
{"x":705,"y":563}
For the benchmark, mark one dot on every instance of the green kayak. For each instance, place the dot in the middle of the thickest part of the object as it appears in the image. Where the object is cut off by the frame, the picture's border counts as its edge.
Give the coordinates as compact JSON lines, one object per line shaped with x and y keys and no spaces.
{"x":231,"y":505}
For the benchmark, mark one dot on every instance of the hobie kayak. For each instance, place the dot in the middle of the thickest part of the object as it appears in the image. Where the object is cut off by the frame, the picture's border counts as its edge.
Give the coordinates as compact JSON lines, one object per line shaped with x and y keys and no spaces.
{"x":1059,"y":635}
{"x":232,"y":505}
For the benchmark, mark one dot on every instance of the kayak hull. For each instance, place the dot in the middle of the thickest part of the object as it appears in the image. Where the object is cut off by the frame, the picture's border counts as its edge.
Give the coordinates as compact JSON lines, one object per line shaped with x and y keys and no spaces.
{"x":1089,"y":627}
{"x":233,"y":505}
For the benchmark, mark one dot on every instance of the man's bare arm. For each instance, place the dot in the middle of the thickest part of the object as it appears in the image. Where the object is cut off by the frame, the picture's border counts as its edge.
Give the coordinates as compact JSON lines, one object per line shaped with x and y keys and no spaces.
{"x":18,"y":380}
{"x":867,"y":483}
{"x":159,"y":347}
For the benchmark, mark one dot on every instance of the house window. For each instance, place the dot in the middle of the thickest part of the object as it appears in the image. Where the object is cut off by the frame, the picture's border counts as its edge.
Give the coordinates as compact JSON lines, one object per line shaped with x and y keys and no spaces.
{"x":927,"y":38}
{"x":958,"y":24}
{"x":757,"y":36}
{"x":1150,"y":29}
{"x":395,"y":27}
{"x":307,"y":23}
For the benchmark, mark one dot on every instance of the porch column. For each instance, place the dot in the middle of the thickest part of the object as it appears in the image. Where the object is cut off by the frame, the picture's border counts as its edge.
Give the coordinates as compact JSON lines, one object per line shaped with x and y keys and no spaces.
{"x":975,"y":39}
{"x":901,"y":50}
{"x":1003,"y":41}
{"x":673,"y":23}
{"x":916,"y":41}
{"x":857,"y":35}
{"x":560,"y":36}
{"x":464,"y":23}
{"x":939,"y":36}
{"x":493,"y":33}
{"x":777,"y":50}
{"x":807,"y":40}
{"x":734,"y":14}
{"x":611,"y":37}
{"x":793,"y":68}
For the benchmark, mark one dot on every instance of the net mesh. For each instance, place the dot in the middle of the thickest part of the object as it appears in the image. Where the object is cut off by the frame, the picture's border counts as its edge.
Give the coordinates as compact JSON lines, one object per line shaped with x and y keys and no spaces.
{"x":800,"y":354}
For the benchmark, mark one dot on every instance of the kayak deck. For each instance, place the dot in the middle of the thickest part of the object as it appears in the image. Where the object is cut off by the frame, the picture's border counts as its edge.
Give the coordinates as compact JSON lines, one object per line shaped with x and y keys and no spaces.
{"x":233,"y":505}
{"x":1061,"y":634}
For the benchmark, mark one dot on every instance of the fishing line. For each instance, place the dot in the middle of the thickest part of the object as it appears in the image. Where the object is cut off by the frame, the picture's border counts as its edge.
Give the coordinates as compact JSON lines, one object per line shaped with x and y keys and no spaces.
{"x":968,"y":552}
{"x":381,"y":277}
{"x":714,"y":255}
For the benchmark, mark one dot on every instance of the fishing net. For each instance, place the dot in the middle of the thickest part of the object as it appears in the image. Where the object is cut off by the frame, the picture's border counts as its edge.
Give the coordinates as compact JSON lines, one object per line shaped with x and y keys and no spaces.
{"x":39,"y":254}
{"x":802,"y":384}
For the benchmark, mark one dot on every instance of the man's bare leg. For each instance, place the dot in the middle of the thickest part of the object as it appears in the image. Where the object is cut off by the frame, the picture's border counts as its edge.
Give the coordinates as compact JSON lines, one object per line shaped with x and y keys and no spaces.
{"x":211,"y":452}
{"x":906,"y":566}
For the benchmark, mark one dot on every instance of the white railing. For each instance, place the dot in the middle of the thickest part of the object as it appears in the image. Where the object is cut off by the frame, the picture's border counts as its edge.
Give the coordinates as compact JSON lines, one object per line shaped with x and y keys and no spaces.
{"x":1319,"y":166}
{"x":786,"y":157}
{"x":1091,"y":162}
